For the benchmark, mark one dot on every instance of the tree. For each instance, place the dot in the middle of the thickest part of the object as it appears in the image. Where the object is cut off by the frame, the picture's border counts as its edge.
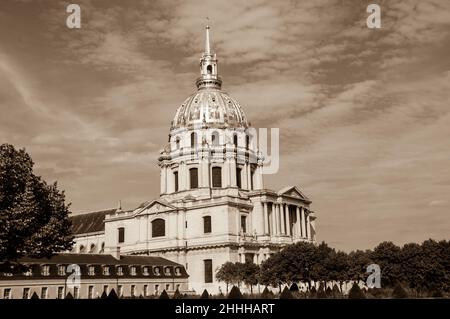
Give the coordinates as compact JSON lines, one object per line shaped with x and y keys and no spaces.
{"x":399,"y":292}
{"x":387,"y":256}
{"x":235,"y":293}
{"x":286,"y":294}
{"x":205,"y":294}
{"x":250,"y":274}
{"x":33,"y":215}
{"x":228,"y":273}
{"x":164,"y":295}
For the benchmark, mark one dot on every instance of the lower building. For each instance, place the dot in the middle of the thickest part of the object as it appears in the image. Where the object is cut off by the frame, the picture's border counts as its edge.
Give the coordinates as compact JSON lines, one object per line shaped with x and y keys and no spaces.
{"x":88,"y":276}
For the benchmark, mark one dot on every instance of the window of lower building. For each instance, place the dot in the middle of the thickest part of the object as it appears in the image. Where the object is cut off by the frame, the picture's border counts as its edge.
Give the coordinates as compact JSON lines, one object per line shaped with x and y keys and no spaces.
{"x":120,"y":290}
{"x":208,"y":270}
{"x":26,"y":293}
{"x":145,"y":290}
{"x":120,"y":271}
{"x":167,"y":287}
{"x":7,"y":293}
{"x":133,"y":290}
{"x":44,"y":291}
{"x":156,"y":289}
{"x":60,"y":292}
{"x":105,"y":289}
{"x":76,"y":292}
{"x":175,"y":176}
{"x":207,"y":224}
{"x":90,"y":292}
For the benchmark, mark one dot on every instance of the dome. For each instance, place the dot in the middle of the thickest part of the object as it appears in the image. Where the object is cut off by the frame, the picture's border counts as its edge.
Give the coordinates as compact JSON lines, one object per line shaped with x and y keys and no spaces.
{"x":212,"y":107}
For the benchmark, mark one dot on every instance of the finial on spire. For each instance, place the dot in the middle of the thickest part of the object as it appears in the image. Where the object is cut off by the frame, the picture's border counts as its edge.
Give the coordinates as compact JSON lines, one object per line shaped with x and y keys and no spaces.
{"x":207,"y":44}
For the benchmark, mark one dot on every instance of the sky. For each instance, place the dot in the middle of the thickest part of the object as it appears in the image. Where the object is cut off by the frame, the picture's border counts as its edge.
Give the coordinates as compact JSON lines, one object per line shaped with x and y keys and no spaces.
{"x":364,"y":114}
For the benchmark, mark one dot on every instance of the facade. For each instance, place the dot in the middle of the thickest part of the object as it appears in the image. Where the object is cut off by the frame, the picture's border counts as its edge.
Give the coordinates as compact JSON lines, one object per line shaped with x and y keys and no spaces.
{"x":129,"y":276}
{"x":213,"y":206}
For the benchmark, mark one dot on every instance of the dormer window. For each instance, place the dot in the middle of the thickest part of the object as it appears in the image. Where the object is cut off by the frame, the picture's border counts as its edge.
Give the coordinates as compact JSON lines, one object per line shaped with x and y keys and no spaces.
{"x":45,"y":270}
{"x":156,"y":271}
{"x":61,"y":270}
{"x":120,"y":271}
{"x":133,"y":271}
{"x":28,"y":273}
{"x":106,"y":270}
{"x":177,"y":271}
{"x":91,"y":270}
{"x":145,"y":271}
{"x":167,"y":271}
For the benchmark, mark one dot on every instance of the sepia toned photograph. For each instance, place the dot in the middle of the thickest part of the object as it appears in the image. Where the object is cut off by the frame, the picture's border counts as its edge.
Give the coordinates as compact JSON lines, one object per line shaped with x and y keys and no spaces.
{"x":222,"y":150}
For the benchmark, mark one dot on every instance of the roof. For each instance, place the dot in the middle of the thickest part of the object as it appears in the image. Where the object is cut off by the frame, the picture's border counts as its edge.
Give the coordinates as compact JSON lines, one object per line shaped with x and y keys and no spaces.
{"x":157,"y":267}
{"x":90,"y":222}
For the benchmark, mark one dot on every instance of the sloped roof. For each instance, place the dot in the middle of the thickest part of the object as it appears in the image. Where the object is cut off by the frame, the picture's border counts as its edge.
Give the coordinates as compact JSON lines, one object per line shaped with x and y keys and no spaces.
{"x":90,"y":222}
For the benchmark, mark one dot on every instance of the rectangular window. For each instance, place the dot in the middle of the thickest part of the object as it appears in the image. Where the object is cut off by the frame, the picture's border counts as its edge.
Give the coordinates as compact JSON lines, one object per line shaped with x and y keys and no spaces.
{"x":216,"y":177}
{"x":120,"y":290}
{"x":193,"y":178}
{"x":252,"y":176}
{"x":91,"y":270}
{"x":133,"y":290}
{"x":167,"y":287}
{"x":207,"y":224}
{"x":44,"y":292}
{"x":208,"y":271}
{"x":90,"y":292}
{"x":121,"y":235}
{"x":105,"y":289}
{"x":156,"y":289}
{"x":238,"y":177}
{"x":106,"y":271}
{"x":145,"y":290}
{"x":62,"y":270}
{"x":26,"y":293}
{"x":175,"y":176}
{"x":45,"y":270}
{"x":76,"y":292}
{"x":7,"y":293}
{"x":244,"y":224}
{"x":60,"y":293}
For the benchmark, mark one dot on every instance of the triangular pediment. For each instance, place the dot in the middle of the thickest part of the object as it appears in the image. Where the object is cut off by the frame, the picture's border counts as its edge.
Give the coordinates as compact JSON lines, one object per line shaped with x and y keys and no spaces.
{"x":155,"y":206}
{"x":292,"y":191}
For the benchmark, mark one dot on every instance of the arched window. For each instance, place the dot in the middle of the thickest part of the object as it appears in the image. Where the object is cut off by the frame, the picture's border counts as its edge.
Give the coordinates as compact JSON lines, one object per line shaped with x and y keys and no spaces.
{"x":193,"y":178}
{"x":216,"y":177}
{"x":82,"y":249}
{"x":215,"y":138}
{"x":92,"y":249}
{"x":193,"y":139}
{"x":209,"y":69}
{"x":235,"y":140}
{"x":207,"y":224}
{"x":252,"y":177}
{"x":158,"y":228}
{"x":102,"y":249}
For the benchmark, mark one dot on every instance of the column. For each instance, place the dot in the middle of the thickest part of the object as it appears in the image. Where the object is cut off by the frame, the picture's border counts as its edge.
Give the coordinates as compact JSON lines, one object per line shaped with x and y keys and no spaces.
{"x":273,"y":225}
{"x":265,"y":219}
{"x":233,"y":182}
{"x":303,"y":222}
{"x":226,"y":172}
{"x":299,"y":222}
{"x":259,"y":178}
{"x":288,"y":221}
{"x":205,"y":176}
{"x":244,"y":179}
{"x":249,"y":176}
{"x":163,"y":179}
{"x":282,"y":220}
{"x":307,"y":226}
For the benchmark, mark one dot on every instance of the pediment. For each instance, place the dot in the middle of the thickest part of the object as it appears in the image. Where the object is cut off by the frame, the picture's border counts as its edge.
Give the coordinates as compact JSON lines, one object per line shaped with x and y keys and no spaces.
{"x":156,"y":206}
{"x":292,"y":191}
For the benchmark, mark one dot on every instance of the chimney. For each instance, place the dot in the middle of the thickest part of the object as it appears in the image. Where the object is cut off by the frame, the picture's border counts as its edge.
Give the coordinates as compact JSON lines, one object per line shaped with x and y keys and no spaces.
{"x":115,"y":252}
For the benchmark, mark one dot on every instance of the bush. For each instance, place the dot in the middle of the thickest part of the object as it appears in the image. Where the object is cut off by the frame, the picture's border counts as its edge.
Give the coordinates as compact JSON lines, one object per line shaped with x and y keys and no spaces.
{"x":112,"y":295}
{"x":286,"y":294}
{"x":104,"y":295}
{"x":164,"y":295}
{"x":35,"y":296}
{"x":336,"y":291}
{"x":399,"y":292}
{"x":266,"y":294}
{"x":294,"y":287}
{"x":356,"y":292}
{"x":436,"y":294}
{"x":235,"y":293}
{"x":321,"y":292}
{"x":205,"y":294}
{"x":177,"y":295}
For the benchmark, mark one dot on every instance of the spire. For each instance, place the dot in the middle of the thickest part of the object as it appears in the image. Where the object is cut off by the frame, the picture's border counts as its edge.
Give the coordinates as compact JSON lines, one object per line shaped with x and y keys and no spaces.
{"x":207,"y":44}
{"x":209,"y":77}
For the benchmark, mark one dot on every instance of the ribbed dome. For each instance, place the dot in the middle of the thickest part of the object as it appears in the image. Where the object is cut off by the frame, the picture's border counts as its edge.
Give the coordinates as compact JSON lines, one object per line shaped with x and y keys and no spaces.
{"x":212,"y":107}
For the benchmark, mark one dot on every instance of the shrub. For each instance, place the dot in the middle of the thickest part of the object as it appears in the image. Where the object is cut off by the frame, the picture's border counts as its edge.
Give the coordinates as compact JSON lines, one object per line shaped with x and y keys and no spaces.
{"x":112,"y":295}
{"x":294,"y":287}
{"x":235,"y":293}
{"x":266,"y":294}
{"x":399,"y":292}
{"x":356,"y":292}
{"x":164,"y":295}
{"x":286,"y":294}
{"x":205,"y":294}
{"x":177,"y":295}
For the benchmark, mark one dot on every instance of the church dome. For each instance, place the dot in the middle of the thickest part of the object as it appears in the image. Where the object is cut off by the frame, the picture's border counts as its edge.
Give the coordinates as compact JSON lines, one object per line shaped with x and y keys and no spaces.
{"x":209,"y":105}
{"x":212,"y":107}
